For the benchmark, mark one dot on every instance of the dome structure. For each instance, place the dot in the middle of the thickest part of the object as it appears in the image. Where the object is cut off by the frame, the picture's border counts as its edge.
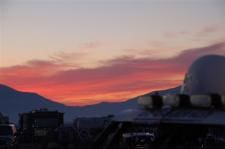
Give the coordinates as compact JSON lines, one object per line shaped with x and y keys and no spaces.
{"x":206,"y":75}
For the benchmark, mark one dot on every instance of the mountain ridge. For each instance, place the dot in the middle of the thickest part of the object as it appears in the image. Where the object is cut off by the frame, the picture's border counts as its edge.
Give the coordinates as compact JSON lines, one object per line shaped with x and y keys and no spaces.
{"x":31,"y":101}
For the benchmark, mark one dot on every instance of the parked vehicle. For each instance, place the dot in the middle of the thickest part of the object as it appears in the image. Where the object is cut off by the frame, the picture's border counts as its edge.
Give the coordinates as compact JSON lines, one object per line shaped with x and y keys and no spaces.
{"x":36,"y":124}
{"x":8,"y":136}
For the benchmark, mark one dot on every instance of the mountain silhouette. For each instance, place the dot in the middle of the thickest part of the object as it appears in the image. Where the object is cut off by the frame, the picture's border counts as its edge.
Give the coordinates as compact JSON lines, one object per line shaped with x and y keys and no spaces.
{"x":13,"y":102}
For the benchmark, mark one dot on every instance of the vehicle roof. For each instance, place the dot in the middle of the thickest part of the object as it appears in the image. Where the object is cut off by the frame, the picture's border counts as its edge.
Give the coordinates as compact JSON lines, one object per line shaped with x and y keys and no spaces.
{"x":182,"y":116}
{"x":7,"y":125}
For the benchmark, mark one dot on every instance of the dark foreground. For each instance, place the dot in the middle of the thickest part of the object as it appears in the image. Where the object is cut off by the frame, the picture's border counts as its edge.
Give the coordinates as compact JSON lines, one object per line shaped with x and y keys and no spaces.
{"x":125,"y":135}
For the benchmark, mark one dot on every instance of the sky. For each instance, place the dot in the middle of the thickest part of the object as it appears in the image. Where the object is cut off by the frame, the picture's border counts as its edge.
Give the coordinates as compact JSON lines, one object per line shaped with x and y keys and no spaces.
{"x":82,"y":52}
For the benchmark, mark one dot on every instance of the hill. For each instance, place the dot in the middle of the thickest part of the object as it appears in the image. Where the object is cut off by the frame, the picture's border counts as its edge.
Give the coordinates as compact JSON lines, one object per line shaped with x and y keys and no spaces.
{"x":13,"y":102}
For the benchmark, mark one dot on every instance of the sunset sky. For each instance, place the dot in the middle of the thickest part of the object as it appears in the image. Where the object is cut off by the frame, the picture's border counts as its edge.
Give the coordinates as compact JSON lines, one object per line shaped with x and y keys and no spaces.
{"x":81,"y":52}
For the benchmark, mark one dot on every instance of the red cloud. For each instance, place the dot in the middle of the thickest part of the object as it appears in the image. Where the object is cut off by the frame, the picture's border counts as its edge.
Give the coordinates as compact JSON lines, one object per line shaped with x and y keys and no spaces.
{"x":119,"y":79}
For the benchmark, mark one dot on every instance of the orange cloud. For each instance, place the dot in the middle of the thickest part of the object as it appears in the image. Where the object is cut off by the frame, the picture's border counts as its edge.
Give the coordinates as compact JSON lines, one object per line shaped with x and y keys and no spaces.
{"x":119,"y":79}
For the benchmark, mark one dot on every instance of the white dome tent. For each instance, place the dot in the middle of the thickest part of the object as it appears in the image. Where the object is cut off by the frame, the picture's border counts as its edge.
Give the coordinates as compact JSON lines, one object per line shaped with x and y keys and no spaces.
{"x":206,"y":75}
{"x":204,"y":86}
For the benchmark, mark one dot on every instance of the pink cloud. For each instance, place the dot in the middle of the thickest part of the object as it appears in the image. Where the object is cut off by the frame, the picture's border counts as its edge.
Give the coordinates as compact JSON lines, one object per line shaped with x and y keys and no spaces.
{"x":208,"y":30}
{"x":119,"y":79}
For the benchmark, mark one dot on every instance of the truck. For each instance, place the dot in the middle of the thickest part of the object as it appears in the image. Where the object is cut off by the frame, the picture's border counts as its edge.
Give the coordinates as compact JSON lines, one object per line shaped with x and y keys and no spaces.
{"x":37,"y":123}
